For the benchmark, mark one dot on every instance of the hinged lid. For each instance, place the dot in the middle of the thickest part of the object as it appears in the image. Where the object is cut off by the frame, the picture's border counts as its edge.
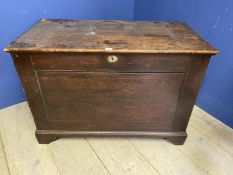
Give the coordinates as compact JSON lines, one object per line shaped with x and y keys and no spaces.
{"x":50,"y":35}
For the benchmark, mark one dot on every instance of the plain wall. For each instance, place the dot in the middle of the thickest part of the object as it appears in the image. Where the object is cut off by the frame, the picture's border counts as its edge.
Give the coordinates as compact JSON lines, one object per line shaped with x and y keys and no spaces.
{"x":213,"y":20}
{"x":17,"y":16}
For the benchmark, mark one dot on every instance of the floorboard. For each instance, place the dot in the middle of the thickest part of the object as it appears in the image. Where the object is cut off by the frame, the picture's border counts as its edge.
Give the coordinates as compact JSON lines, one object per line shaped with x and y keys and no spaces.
{"x":3,"y":162}
{"x":213,"y":129}
{"x":25,"y":156}
{"x":120,"y":157}
{"x":207,"y":150}
{"x":167,"y":158}
{"x":207,"y":154}
{"x":75,"y":156}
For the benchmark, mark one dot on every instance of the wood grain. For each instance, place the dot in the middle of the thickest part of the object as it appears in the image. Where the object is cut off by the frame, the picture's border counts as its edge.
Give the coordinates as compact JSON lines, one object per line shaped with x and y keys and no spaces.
{"x":126,"y":62}
{"x":120,"y":157}
{"x":110,"y":96}
{"x":207,"y":154}
{"x":213,"y":129}
{"x":110,"y":36}
{"x":167,"y":159}
{"x":3,"y":162}
{"x":75,"y":156}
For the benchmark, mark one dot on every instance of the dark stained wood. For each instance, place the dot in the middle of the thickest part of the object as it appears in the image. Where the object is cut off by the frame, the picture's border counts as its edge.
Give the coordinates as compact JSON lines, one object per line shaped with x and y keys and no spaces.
{"x":188,"y":94}
{"x":50,"y":35}
{"x":177,"y":140}
{"x":47,"y":136}
{"x":146,"y":89}
{"x":88,"y":96}
{"x":23,"y":64}
{"x":125,"y":63}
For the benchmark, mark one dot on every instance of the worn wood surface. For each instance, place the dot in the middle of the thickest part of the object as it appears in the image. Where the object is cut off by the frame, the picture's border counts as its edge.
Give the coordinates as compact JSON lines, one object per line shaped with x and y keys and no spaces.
{"x":207,"y":151}
{"x":49,"y":35}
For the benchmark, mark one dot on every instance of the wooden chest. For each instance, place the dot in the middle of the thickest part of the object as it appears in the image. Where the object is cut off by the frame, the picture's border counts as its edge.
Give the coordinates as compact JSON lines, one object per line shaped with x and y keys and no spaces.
{"x":112,"y":78}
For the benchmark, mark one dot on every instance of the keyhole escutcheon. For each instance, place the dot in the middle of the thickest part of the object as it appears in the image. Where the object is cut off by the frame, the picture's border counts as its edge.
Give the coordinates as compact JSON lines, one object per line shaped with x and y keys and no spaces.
{"x":112,"y":59}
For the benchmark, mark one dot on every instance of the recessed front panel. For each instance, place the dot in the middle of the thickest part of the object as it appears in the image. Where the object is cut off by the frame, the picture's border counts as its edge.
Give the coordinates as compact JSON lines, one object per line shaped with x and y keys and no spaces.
{"x":106,"y":97}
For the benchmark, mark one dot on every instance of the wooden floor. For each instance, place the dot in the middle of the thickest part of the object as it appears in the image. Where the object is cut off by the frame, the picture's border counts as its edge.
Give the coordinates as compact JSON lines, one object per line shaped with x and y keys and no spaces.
{"x":208,"y":150}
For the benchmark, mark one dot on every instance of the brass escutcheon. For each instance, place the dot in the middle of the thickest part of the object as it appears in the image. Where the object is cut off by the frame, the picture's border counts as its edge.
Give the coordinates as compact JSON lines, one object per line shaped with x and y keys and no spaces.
{"x":112,"y":59}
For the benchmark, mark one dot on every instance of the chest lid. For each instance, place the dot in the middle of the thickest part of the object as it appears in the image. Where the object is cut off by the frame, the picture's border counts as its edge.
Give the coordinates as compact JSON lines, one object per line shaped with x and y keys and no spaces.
{"x":52,"y":35}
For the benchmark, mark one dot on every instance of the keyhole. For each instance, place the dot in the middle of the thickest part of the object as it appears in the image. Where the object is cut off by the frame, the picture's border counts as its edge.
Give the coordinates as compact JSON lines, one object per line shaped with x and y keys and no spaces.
{"x":112,"y":59}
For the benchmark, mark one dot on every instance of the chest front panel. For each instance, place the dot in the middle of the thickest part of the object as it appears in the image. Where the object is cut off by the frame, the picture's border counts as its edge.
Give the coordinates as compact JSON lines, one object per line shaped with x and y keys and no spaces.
{"x":89,"y":92}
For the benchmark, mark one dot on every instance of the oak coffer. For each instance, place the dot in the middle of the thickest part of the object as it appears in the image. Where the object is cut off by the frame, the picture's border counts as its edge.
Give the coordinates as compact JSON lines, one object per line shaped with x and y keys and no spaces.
{"x":112,"y":78}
